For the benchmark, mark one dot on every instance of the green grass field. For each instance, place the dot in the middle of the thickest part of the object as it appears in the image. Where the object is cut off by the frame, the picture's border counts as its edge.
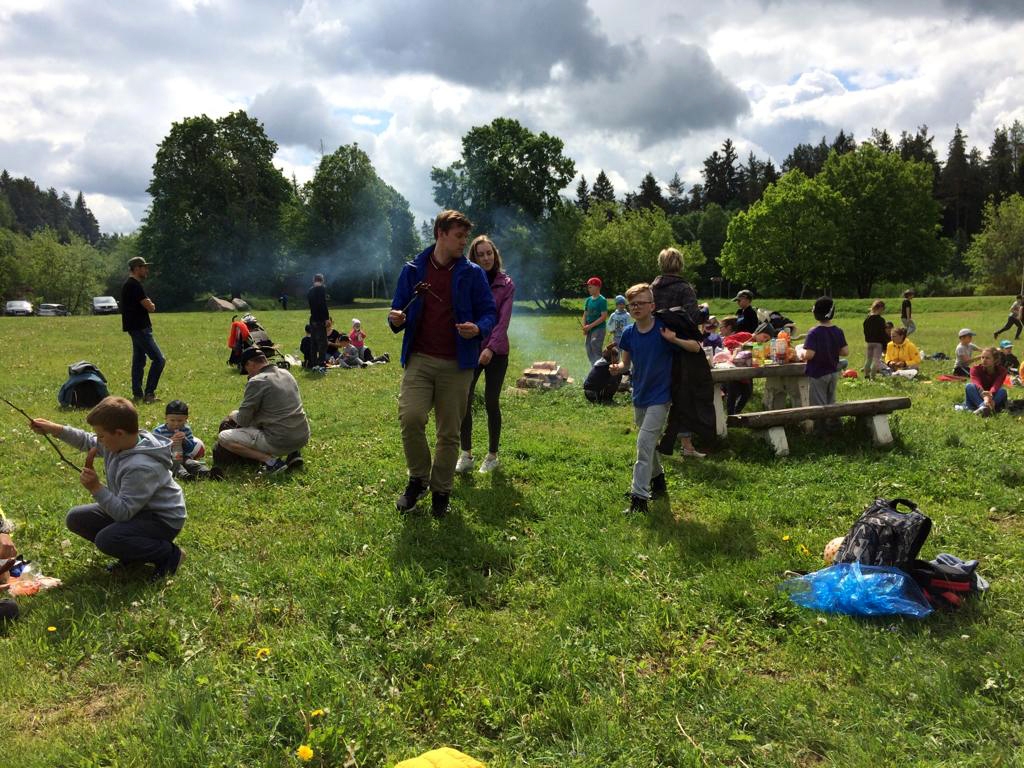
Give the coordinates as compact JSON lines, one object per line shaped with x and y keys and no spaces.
{"x":536,"y":625}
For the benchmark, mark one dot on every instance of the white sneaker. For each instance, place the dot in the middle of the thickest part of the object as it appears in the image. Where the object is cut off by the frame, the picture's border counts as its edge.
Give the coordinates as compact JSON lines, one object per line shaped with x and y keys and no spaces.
{"x":465,"y":463}
{"x":490,"y":464}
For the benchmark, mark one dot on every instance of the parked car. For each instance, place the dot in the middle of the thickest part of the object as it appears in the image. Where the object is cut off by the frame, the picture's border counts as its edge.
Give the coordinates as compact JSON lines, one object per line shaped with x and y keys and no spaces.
{"x":104,"y":305}
{"x":52,"y":310}
{"x":18,"y":307}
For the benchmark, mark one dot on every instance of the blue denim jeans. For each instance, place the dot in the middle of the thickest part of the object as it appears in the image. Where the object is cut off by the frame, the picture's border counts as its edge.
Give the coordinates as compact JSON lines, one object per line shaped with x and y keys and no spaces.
{"x":975,"y":401}
{"x":143,"y":346}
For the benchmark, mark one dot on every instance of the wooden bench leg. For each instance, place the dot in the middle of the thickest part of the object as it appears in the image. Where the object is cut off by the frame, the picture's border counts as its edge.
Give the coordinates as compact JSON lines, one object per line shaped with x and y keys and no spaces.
{"x":777,"y":437}
{"x":720,"y":423}
{"x":878,"y":426}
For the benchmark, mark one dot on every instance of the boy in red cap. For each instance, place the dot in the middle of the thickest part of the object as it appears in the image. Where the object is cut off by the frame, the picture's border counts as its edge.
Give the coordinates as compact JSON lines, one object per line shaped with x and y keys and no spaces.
{"x":595,"y":313}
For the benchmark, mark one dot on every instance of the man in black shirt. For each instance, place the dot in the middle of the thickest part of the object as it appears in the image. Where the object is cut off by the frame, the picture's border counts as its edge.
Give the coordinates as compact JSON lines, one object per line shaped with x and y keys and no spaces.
{"x":135,"y":309}
{"x":318,"y":315}
{"x":746,"y":315}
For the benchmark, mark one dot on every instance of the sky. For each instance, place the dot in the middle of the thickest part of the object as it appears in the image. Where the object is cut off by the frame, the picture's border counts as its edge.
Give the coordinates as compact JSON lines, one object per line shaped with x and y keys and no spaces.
{"x":89,"y":89}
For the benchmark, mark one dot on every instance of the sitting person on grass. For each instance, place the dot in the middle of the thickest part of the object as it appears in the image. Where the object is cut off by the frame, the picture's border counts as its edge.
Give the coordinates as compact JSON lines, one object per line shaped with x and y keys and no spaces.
{"x":334,"y":342}
{"x":901,"y":354}
{"x":600,"y":385}
{"x":137,"y":515}
{"x":353,"y":357}
{"x":965,"y":353}
{"x":187,"y":450}
{"x":984,"y":393}
{"x":270,"y":422}
{"x":1010,"y":361}
{"x":306,"y":347}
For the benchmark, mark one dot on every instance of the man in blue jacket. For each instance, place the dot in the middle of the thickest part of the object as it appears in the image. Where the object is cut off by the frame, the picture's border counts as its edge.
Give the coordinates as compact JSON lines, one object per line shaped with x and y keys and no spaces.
{"x":444,"y":304}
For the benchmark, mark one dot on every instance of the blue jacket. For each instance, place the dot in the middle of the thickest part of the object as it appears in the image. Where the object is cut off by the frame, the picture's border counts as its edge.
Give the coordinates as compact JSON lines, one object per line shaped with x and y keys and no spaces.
{"x":472,"y":302}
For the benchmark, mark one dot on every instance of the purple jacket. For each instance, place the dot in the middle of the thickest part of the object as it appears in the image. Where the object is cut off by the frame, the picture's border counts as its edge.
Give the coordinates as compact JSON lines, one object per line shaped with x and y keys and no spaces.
{"x":504,"y":290}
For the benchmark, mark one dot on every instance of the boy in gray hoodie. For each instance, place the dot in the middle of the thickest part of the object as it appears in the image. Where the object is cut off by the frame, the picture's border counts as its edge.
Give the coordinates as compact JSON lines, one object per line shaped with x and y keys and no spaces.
{"x":138,"y":514}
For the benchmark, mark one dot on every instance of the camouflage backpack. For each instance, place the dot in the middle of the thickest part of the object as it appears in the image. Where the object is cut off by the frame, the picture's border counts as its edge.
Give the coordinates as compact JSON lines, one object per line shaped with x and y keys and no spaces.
{"x":883,"y":535}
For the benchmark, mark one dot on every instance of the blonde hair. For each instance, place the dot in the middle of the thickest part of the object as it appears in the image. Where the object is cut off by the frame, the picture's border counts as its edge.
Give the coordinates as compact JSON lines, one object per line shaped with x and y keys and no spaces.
{"x":636,"y":290}
{"x":877,"y":305}
{"x":450,"y":218}
{"x":485,"y":239}
{"x":113,"y":413}
{"x":670,"y":261}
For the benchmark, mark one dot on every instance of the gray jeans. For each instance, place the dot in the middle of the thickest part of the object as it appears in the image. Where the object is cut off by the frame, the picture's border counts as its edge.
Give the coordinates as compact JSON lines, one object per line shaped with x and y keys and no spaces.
{"x":595,"y":344}
{"x":873,"y":359}
{"x":823,"y":388}
{"x":651,"y":423}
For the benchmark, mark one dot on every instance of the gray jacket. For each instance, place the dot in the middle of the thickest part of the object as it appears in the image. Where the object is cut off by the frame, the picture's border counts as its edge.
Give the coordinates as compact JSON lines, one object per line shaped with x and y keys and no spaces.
{"x":271,"y":403}
{"x":138,"y":479}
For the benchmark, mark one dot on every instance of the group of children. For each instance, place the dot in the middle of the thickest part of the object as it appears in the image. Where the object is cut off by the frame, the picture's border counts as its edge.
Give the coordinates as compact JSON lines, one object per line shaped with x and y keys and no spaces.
{"x":344,"y":350}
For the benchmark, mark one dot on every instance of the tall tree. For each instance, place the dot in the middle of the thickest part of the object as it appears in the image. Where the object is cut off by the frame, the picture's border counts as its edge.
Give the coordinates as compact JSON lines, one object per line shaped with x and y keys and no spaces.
{"x":711,"y":233}
{"x":602,"y":191}
{"x":83,"y":223}
{"x":807,"y":158}
{"x":996,"y":255}
{"x":882,"y":140}
{"x":843,"y":143}
{"x":676,"y":195}
{"x":1001,"y":180}
{"x":217,"y":198}
{"x":649,"y":195}
{"x":583,"y":195}
{"x":920,"y":147}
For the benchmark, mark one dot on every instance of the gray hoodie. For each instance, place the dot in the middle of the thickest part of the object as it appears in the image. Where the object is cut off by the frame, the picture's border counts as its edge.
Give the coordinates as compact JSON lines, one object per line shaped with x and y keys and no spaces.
{"x":137,"y":479}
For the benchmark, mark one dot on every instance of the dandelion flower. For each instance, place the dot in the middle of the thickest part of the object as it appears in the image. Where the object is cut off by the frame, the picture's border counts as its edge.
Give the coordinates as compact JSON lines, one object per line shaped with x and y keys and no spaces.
{"x":786,"y":537}
{"x":804,"y":550}
{"x":262,"y":654}
{"x":51,"y":629}
{"x":304,"y":753}
{"x":317,"y":713}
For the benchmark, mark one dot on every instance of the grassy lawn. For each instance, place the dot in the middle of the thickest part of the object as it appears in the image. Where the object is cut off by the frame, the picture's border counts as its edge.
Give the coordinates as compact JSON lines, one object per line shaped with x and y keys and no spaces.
{"x":536,"y":625}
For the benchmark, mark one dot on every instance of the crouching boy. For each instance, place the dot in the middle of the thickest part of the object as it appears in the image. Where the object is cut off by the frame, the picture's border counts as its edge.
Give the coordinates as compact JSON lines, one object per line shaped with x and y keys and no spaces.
{"x":647,"y":345}
{"x":137,"y":515}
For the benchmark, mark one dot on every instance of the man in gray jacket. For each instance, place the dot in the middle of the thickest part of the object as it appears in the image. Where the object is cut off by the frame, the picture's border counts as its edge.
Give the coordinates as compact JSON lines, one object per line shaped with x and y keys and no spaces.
{"x":137,"y":515}
{"x":270,"y":421}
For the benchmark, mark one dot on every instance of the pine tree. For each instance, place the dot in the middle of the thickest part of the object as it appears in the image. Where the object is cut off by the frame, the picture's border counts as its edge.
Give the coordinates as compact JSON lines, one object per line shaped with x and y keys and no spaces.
{"x":953,"y":186}
{"x":583,"y":195}
{"x":882,"y":140}
{"x":844,"y":143}
{"x":1000,"y":182}
{"x":676,"y":195}
{"x":602,"y":191}
{"x":83,"y":222}
{"x":649,"y":195}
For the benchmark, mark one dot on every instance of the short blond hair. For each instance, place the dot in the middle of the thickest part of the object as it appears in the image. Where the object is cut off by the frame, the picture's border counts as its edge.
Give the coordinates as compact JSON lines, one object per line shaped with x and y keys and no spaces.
{"x":635,"y":290}
{"x":450,"y":218}
{"x":113,"y":413}
{"x":670,"y":261}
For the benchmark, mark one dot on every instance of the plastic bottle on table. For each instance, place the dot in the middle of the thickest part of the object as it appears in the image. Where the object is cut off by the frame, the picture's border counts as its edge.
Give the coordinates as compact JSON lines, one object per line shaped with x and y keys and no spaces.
{"x":782,"y":347}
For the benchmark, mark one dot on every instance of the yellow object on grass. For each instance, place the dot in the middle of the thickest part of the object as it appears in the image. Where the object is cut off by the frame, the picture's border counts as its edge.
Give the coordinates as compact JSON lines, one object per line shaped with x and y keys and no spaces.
{"x":445,"y":757}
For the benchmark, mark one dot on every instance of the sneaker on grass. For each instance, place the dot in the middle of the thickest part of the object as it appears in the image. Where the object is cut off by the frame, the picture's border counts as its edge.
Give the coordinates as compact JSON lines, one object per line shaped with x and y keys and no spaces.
{"x":439,"y":503}
{"x":490,"y":463}
{"x":414,"y":491}
{"x":465,"y":463}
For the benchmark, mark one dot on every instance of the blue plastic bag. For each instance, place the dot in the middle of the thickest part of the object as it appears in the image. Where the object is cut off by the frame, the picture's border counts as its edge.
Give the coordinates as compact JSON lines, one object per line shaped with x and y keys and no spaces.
{"x":858,"y":590}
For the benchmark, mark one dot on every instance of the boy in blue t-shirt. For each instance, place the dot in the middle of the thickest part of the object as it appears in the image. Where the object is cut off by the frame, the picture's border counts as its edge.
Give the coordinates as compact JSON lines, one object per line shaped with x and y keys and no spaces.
{"x":647,"y":345}
{"x":824,"y":345}
{"x":619,"y":320}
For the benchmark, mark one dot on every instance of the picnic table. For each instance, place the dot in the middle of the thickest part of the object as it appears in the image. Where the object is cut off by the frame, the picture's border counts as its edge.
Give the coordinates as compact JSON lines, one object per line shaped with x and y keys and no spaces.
{"x":781,"y":382}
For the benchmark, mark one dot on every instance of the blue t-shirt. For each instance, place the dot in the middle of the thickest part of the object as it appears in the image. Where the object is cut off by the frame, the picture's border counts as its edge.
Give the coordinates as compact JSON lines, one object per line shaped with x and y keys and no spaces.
{"x":651,"y":357}
{"x":826,"y":341}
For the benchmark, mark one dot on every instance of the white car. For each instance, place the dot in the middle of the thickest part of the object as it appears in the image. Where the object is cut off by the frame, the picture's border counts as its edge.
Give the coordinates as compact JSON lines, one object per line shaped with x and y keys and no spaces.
{"x":19,"y":308}
{"x":104,"y":305}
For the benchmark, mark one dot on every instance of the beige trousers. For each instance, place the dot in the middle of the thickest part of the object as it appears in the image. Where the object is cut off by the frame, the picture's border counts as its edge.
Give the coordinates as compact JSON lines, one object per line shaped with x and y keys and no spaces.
{"x":438,"y":384}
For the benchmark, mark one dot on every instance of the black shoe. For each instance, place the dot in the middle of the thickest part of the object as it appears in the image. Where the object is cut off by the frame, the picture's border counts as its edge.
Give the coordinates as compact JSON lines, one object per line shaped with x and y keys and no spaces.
{"x":439,"y":503}
{"x":216,"y":473}
{"x":170,"y":566}
{"x":658,"y":486}
{"x":294,"y":461}
{"x":150,"y":399}
{"x":414,"y":491}
{"x":274,"y":469}
{"x":637,"y":505}
{"x":116,"y":567}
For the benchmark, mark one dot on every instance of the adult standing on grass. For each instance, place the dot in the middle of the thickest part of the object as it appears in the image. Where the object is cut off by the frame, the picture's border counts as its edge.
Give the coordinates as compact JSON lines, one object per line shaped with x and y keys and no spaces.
{"x":1014,"y":318}
{"x":907,"y":312}
{"x":595,"y":313}
{"x":318,"y":317}
{"x":135,"y":309}
{"x":271,"y":421}
{"x":444,"y":305}
{"x":493,"y":361}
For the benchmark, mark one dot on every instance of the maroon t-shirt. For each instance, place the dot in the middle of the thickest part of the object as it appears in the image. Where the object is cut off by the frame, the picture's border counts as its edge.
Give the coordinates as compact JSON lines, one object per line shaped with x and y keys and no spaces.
{"x":436,"y":332}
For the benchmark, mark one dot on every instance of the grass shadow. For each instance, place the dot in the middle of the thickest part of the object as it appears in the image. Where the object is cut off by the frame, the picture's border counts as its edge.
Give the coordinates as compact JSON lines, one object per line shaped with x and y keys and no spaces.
{"x":731,"y":538}
{"x":494,"y":498}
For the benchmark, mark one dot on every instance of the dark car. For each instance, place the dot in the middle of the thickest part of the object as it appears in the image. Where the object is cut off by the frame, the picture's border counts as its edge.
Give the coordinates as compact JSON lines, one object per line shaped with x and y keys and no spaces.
{"x":18,"y":307}
{"x":52,"y":310}
{"x":104,"y":305}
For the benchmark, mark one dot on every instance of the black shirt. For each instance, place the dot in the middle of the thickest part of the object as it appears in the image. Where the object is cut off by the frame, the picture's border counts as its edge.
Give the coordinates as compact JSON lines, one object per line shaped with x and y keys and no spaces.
{"x":134,"y":316}
{"x":905,"y":309}
{"x":746,"y":320}
{"x":317,"y":298}
{"x":874,"y":330}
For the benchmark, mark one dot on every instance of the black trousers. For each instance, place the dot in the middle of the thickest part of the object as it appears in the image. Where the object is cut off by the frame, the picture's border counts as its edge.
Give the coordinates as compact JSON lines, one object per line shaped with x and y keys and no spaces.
{"x":319,"y":333}
{"x":494,"y":378}
{"x":143,"y":539}
{"x":1010,"y":322}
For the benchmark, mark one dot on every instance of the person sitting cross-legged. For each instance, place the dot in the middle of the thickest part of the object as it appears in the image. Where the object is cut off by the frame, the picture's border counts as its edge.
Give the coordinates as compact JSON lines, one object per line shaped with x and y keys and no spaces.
{"x":271,"y":421}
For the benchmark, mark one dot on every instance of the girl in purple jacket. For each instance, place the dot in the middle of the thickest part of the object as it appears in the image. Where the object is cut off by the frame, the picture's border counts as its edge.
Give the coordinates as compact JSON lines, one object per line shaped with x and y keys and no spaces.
{"x":493,"y":357}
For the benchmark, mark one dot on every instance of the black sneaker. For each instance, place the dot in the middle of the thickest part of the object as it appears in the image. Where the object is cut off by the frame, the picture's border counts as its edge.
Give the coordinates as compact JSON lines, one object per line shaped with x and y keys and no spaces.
{"x":658,"y":486}
{"x":414,"y":491}
{"x":171,"y":565}
{"x":294,"y":460}
{"x":637,"y":505}
{"x":439,"y":503}
{"x":276,"y":468}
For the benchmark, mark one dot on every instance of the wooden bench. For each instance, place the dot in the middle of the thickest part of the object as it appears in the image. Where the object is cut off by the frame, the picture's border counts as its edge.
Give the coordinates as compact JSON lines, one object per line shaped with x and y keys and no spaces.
{"x":873,"y":413}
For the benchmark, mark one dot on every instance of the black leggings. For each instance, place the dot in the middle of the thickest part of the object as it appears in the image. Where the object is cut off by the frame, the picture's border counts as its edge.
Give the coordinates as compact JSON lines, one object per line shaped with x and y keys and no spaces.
{"x":737,"y":393}
{"x":494,"y":375}
{"x":1010,"y":322}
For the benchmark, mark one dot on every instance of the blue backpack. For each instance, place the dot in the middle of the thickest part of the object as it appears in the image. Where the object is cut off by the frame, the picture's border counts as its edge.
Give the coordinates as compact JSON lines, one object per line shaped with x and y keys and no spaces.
{"x":85,"y":386}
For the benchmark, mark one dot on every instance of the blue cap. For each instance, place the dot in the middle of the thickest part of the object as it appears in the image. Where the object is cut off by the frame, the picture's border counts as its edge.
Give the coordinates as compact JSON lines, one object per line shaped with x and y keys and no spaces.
{"x":1005,"y":344}
{"x":620,"y":299}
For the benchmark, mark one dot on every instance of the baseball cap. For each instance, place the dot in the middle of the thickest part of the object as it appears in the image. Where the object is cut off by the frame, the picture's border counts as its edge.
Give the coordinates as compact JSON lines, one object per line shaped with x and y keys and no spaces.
{"x":137,"y":261}
{"x":966,"y":332}
{"x":355,"y":321}
{"x":251,"y":353}
{"x":1006,"y":344}
{"x":594,"y":281}
{"x":744,"y":294}
{"x":620,"y":299}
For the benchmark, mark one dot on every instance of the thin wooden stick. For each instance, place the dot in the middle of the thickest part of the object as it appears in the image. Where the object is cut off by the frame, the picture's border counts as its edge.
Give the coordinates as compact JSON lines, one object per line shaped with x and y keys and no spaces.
{"x":63,"y":458}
